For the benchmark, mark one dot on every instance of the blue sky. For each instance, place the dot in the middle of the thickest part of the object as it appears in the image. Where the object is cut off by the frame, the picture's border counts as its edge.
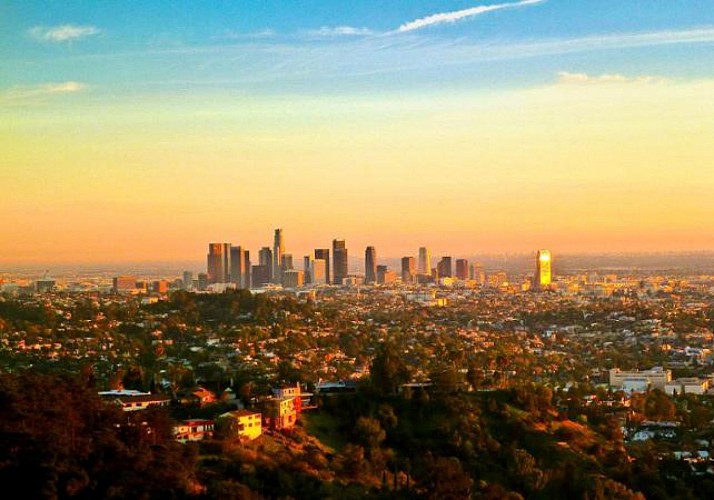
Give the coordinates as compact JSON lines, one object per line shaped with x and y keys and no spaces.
{"x":308,"y":46}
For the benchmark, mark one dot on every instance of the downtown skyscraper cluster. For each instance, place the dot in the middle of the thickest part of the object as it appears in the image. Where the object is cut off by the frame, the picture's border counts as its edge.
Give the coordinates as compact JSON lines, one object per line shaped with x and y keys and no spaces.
{"x":231,"y":265}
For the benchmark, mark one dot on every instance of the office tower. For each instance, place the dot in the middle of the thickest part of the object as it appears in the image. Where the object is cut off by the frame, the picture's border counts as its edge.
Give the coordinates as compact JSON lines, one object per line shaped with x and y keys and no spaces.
{"x":124,"y":283}
{"x":265,"y":258}
{"x":247,"y":276}
{"x":307,"y":267}
{"x":424,"y":261}
{"x":160,"y":286}
{"x":187,"y":281}
{"x":239,"y":267}
{"x":381,"y":271}
{"x":443,"y":268}
{"x":479,"y":274}
{"x":202,"y":281}
{"x":385,"y":276}
{"x":324,"y":254}
{"x":462,"y":269}
{"x":219,"y":262}
{"x":370,"y":266}
{"x":543,"y":269}
{"x":45,"y":284}
{"x":339,"y":259}
{"x":260,"y":275}
{"x":278,"y":250}
{"x":318,"y":272}
{"x":293,"y":278}
{"x":408,"y":269}
{"x":286,"y":262}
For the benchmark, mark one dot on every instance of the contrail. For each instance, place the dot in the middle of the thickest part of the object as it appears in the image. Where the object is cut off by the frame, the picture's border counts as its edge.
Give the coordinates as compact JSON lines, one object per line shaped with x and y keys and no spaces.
{"x":450,"y":17}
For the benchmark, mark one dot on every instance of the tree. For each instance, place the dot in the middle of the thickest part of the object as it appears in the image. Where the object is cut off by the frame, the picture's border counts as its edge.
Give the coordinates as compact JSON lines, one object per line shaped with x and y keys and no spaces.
{"x":388,"y":370}
{"x":446,"y":480}
{"x":59,"y":439}
{"x":369,"y":433}
{"x":659,"y":406}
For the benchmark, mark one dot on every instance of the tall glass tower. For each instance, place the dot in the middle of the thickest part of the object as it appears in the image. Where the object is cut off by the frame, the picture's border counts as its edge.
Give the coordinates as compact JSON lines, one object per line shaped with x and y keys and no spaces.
{"x":370,"y":265}
{"x":278,"y":250}
{"x":543,"y":269}
{"x":424,"y":265}
{"x":339,"y":261}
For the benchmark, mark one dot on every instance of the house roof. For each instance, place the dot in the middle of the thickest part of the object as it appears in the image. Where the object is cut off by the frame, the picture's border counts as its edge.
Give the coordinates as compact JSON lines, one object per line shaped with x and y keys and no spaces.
{"x":144,"y":398}
{"x":244,"y":413}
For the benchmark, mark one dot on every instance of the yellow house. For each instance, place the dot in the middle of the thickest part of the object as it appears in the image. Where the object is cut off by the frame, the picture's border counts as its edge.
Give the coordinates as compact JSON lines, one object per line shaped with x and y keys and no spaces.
{"x":245,"y":424}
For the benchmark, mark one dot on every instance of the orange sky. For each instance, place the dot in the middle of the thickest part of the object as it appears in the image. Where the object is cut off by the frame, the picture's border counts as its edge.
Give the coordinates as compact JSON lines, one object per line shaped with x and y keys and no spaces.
{"x":582,"y":164}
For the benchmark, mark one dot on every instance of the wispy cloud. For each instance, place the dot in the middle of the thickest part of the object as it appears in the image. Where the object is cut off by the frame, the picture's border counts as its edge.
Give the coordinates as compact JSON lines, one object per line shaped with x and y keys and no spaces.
{"x":252,"y":35}
{"x":24,"y":94}
{"x":63,"y":33}
{"x":452,"y":17}
{"x":565,"y":77}
{"x":331,"y":31}
{"x":277,"y":60}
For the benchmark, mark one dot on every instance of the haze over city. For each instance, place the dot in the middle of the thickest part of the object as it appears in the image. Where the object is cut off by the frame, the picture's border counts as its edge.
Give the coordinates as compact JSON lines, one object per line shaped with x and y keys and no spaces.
{"x":138,"y":131}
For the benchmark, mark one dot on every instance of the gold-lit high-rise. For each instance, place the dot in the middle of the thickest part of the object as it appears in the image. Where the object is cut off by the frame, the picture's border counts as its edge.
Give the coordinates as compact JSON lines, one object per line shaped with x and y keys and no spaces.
{"x":543,"y":276}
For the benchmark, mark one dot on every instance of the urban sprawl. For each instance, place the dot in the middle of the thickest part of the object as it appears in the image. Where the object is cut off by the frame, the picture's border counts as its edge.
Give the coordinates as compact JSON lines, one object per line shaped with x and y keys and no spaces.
{"x":246,"y":352}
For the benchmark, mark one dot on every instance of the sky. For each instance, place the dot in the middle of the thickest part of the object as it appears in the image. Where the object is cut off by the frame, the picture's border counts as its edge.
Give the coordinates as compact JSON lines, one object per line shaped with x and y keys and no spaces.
{"x":135,"y":131}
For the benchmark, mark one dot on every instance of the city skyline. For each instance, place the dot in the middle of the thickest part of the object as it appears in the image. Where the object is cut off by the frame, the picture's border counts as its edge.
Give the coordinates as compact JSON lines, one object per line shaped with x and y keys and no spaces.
{"x":136,"y":132}
{"x":229,"y":263}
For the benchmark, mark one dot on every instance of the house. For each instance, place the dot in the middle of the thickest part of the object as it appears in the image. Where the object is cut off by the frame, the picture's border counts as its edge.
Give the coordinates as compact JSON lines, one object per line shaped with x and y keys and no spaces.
{"x":293,"y":392}
{"x":193,"y":430}
{"x":244,"y":424}
{"x":201,"y":396}
{"x":339,"y":387}
{"x":280,"y":413}
{"x":134,"y":400}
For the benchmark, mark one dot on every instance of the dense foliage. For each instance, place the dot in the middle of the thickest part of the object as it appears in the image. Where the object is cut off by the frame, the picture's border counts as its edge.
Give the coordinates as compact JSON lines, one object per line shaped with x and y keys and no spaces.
{"x":59,"y":440}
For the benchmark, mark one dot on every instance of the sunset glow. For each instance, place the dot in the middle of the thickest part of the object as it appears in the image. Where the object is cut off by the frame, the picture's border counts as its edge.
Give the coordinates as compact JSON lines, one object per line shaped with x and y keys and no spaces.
{"x":506,"y":130}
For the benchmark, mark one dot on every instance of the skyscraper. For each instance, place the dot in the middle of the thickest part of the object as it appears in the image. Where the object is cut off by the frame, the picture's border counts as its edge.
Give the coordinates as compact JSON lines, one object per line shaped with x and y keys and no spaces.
{"x":240,"y":267}
{"x":462,"y":269}
{"x":370,"y":266}
{"x":265,"y":258}
{"x":260,"y":275}
{"x":293,"y":278}
{"x":424,"y":261}
{"x":278,"y":250}
{"x":286,"y":262}
{"x":543,"y":269}
{"x":385,"y":276}
{"x":219,"y":262}
{"x":408,"y":268}
{"x":339,"y":259}
{"x":324,"y":254}
{"x":307,"y":267}
{"x":318,"y":272}
{"x":479,"y":274}
{"x":443,"y":268}
{"x":247,"y":282}
{"x":187,"y":281}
